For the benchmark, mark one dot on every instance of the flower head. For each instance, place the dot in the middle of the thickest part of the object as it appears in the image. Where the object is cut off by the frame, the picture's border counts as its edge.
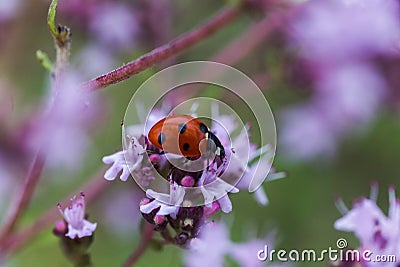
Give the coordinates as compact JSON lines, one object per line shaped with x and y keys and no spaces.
{"x":74,"y":215}
{"x":339,"y":92}
{"x":242,"y":170}
{"x":377,"y":232}
{"x":114,"y":25}
{"x":61,"y":130}
{"x":305,"y":134}
{"x":215,"y":188}
{"x":369,"y":27}
{"x":208,"y":181}
{"x":94,"y":59}
{"x":175,"y":197}
{"x":347,"y":96}
{"x":8,"y":9}
{"x":125,"y":161}
{"x":214,"y":244}
{"x":339,"y":41}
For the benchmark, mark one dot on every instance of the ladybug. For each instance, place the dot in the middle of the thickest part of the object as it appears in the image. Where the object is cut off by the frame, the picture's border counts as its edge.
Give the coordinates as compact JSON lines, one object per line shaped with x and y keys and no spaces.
{"x":184,"y":135}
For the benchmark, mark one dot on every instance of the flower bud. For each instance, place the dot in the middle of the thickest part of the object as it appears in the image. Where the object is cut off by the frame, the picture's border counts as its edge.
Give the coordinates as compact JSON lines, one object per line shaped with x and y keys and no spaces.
{"x":181,"y":239}
{"x":187,"y":181}
{"x":144,"y":201}
{"x":211,"y":210}
{"x":159,"y":219}
{"x":155,"y":159}
{"x":60,"y":228}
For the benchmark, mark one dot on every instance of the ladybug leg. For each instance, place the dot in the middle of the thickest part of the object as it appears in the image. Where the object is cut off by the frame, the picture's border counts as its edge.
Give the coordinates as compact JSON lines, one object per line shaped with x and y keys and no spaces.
{"x":169,"y":177}
{"x":152,"y":152}
{"x":208,"y":150}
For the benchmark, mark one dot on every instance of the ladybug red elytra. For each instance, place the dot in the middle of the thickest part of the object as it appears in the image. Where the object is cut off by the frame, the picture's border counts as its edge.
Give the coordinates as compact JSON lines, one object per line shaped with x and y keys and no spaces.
{"x":183,"y":135}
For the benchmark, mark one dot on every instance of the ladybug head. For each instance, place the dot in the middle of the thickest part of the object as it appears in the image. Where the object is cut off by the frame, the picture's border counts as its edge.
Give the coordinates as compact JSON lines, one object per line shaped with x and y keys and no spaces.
{"x":220,"y":151}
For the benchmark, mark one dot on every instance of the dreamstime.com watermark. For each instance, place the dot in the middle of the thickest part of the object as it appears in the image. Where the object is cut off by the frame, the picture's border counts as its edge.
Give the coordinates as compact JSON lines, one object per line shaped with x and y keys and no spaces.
{"x":340,"y":253}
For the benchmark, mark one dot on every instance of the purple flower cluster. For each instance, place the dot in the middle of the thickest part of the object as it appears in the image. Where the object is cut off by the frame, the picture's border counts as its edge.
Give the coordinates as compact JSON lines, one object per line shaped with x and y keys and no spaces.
{"x":171,"y":211}
{"x":377,"y":232}
{"x":8,"y":9}
{"x":74,"y":216}
{"x":113,"y":25}
{"x":339,"y":40}
{"x":61,"y":131}
{"x":214,"y":245}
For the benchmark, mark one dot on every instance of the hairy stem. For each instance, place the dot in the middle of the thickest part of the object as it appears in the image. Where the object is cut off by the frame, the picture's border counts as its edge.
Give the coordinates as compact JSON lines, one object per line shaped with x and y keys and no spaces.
{"x":147,"y":235}
{"x":23,"y":197}
{"x":163,"y":52}
{"x":62,"y":40}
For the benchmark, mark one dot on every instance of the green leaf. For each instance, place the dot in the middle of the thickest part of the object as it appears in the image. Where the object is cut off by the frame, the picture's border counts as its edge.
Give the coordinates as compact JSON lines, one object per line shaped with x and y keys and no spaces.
{"x":51,"y":18}
{"x":44,"y":59}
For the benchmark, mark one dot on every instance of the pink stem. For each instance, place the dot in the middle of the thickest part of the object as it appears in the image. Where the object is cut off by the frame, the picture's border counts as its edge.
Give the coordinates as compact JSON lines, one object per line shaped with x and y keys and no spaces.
{"x":147,"y":235}
{"x":23,"y":197}
{"x":163,"y":52}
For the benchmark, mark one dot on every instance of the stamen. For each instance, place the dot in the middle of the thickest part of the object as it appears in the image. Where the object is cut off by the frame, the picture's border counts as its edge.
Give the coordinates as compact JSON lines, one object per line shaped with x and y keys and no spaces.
{"x":392,"y":195}
{"x":341,"y":206}
{"x":214,"y":111}
{"x":392,"y":201}
{"x":374,"y":191}
{"x":263,"y":151}
{"x":194,"y":107}
{"x":275,"y":176}
{"x":60,"y":209}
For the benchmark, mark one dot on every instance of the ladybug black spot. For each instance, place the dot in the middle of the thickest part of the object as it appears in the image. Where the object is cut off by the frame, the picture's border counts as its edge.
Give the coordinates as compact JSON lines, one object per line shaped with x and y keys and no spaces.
{"x":203,"y":128}
{"x":182,"y":128}
{"x":161,"y":138}
{"x":186,"y":146}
